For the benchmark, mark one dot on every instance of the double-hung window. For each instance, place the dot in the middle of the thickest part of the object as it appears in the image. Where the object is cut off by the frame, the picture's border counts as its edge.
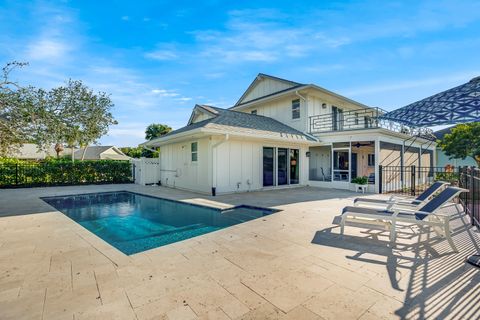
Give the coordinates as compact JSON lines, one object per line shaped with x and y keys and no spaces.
{"x":296,"y":109}
{"x":194,"y":150}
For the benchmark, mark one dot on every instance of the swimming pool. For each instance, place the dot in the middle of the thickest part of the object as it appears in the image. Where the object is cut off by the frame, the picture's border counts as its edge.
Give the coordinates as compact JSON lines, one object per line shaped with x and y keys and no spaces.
{"x":133,"y":222}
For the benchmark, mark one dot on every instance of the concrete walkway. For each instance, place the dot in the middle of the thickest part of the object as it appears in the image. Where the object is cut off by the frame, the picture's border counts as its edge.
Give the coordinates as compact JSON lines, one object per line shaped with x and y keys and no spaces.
{"x":289,"y":265}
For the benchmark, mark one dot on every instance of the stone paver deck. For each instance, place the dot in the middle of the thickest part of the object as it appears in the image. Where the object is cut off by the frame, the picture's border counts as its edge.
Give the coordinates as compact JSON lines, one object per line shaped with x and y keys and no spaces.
{"x":289,"y":265}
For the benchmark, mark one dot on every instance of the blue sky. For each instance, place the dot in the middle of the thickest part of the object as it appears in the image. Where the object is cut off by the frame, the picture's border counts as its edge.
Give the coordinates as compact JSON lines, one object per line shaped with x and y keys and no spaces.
{"x":158,"y":58}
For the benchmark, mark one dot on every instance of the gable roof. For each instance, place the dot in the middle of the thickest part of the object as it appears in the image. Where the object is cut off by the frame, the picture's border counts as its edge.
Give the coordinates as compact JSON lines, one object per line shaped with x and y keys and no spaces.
{"x":205,"y":109}
{"x":96,"y":153}
{"x":241,"y":122}
{"x":287,"y":85}
{"x":291,"y":88}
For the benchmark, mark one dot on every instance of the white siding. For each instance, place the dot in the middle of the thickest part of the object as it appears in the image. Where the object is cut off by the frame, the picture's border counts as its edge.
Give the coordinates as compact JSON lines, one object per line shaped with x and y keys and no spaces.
{"x":178,"y":170}
{"x":265,"y":87}
{"x":281,"y":110}
{"x":239,"y":165}
{"x":201,"y":116}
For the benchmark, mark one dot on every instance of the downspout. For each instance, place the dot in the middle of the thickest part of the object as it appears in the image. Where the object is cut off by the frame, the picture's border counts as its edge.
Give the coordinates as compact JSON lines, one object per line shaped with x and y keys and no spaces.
{"x":214,"y":163}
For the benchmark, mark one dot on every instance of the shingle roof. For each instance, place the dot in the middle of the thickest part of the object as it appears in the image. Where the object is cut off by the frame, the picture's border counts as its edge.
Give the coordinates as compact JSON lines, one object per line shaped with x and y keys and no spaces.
{"x":236,"y":119}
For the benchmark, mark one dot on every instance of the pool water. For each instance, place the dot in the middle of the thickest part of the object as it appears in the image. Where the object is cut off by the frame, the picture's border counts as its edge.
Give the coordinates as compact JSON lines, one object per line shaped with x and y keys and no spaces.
{"x":133,"y":223}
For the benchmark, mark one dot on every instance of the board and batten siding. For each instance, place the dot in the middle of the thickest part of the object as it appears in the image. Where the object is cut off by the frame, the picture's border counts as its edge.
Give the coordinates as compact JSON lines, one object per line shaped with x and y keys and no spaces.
{"x":179,"y":171}
{"x":239,"y":165}
{"x":265,"y":87}
{"x":232,"y":165}
{"x":281,"y":110}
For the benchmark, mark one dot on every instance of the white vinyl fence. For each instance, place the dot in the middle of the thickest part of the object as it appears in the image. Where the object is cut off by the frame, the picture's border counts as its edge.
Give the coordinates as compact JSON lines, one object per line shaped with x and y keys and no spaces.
{"x":146,"y":171}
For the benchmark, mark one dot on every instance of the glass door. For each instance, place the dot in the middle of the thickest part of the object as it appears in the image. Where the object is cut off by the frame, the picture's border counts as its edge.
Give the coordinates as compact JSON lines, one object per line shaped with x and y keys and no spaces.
{"x":282,"y":165}
{"x":337,"y":118}
{"x":294,"y":167}
{"x":268,"y":167}
{"x":341,"y":166}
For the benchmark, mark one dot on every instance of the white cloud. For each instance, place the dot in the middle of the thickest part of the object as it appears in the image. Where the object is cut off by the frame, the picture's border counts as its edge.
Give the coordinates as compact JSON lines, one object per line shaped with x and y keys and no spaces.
{"x":162,"y":55}
{"x":46,"y":48}
{"x":164,"y":93}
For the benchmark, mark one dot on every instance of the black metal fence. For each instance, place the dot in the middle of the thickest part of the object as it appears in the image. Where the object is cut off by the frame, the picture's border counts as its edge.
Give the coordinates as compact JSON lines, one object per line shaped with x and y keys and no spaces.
{"x":52,"y":173}
{"x":469,"y":178}
{"x":413,"y":180}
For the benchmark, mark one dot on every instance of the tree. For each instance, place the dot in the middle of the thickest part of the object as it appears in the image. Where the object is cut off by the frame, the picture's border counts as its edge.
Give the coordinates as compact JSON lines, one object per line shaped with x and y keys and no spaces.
{"x":77,"y":116}
{"x":72,"y":114}
{"x":462,"y":142}
{"x":16,"y":111}
{"x":156,"y":130}
{"x":133,"y":152}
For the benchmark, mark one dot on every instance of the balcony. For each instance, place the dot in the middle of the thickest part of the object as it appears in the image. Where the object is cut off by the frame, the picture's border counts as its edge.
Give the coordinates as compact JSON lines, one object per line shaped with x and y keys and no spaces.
{"x":360,"y":119}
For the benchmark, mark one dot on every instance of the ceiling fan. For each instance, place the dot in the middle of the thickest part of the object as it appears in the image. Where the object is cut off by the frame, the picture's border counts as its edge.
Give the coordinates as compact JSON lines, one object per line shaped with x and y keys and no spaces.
{"x":358,"y":144}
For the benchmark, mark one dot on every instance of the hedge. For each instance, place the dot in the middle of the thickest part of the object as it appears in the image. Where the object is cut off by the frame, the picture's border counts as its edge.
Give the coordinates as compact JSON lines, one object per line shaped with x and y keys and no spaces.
{"x":51,"y":173}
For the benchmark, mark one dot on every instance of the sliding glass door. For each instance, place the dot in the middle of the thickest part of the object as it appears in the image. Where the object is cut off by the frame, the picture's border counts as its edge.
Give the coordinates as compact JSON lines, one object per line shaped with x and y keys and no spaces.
{"x":294,"y":167}
{"x":268,"y":167}
{"x":282,"y":160}
{"x":280,"y":166}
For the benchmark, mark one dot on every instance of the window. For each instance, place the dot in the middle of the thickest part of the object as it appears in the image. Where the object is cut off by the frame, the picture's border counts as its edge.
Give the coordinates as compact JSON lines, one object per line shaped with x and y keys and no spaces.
{"x":253,"y":112}
{"x":194,"y":149}
{"x":356,"y":118}
{"x":296,"y":109}
{"x":371,"y":160}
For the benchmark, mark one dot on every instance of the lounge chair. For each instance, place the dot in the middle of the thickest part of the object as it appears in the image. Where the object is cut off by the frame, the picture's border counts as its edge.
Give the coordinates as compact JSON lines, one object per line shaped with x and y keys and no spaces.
{"x":426,"y":216}
{"x":408,"y":202}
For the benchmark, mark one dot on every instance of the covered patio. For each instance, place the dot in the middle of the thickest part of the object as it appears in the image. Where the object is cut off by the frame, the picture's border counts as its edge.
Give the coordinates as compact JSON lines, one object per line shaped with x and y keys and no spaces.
{"x":289,"y":265}
{"x":335,"y":163}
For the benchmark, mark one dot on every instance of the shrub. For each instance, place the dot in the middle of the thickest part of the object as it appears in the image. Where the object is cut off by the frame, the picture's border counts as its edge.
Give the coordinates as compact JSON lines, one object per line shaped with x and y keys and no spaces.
{"x":360,"y":180}
{"x":61,"y":172}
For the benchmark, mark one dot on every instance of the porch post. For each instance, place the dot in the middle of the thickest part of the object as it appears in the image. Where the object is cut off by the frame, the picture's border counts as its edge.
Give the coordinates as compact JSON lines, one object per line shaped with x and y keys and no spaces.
{"x":350,"y":161}
{"x":377,"y":163}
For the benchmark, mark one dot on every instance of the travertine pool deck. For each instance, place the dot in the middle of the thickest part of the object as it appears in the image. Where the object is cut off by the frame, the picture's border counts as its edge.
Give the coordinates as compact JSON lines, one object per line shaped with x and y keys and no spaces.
{"x":289,"y":265}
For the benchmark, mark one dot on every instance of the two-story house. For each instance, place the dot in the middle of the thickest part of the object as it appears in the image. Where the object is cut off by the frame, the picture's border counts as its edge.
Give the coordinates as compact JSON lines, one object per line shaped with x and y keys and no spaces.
{"x":282,"y":133}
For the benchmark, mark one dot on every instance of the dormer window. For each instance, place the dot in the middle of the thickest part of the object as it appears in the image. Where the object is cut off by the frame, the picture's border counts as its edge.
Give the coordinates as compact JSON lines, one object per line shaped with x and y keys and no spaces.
{"x":296,"y":109}
{"x":253,"y":112}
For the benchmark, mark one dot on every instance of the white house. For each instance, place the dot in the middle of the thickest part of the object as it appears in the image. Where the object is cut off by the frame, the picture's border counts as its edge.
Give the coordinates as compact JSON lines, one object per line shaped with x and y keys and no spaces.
{"x":282,"y":133}
{"x":100,"y":153}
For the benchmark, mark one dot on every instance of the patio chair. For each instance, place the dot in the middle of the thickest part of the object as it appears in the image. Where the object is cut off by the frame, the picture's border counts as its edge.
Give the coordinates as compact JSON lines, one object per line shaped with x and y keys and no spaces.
{"x":426,"y":216}
{"x":423,"y":198}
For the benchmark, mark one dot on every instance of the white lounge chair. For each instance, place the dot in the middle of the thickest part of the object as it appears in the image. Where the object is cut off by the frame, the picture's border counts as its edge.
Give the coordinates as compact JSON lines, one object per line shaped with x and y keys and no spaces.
{"x":427,"y":215}
{"x":423,"y":198}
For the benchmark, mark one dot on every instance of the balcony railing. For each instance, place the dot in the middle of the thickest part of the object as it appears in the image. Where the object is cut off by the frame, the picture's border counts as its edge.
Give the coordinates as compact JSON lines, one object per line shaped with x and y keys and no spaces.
{"x":359,"y":119}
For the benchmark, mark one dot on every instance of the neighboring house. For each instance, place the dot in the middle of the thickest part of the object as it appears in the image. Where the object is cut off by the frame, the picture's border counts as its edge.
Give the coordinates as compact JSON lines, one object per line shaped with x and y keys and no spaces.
{"x":443,"y":160}
{"x":282,"y":133}
{"x":30,"y":151}
{"x":100,"y":153}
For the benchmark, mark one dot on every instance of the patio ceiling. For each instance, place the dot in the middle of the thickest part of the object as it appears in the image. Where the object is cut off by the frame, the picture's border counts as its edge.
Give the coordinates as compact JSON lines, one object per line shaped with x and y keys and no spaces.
{"x":457,"y":105}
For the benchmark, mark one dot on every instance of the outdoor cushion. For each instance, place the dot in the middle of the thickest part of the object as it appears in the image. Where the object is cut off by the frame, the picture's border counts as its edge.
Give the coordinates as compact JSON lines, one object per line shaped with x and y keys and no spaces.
{"x":418,"y":200}
{"x":379,"y":213}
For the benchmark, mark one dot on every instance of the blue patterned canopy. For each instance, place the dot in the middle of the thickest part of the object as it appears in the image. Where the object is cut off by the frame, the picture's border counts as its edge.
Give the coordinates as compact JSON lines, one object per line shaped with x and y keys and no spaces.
{"x":457,"y":105}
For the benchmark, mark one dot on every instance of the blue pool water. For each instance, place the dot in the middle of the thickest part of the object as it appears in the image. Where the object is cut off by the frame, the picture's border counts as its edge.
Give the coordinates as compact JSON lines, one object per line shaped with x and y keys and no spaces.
{"x":133,"y":223}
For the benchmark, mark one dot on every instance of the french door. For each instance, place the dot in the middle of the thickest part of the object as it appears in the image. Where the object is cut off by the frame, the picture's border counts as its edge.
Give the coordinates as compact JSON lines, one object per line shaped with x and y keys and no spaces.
{"x":268,"y":167}
{"x":280,"y":166}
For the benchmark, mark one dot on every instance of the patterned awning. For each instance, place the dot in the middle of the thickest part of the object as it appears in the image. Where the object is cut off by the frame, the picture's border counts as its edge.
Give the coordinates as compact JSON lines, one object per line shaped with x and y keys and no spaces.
{"x":457,"y":105}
